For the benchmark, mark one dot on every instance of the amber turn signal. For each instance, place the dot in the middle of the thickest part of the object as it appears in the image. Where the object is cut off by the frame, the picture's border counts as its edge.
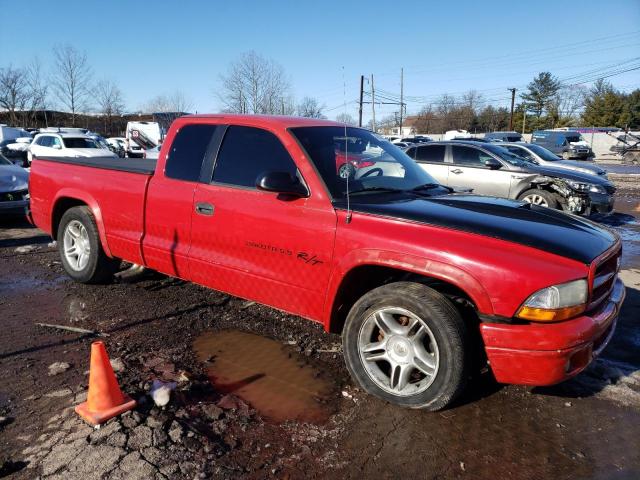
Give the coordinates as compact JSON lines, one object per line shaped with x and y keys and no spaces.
{"x":549,"y":314}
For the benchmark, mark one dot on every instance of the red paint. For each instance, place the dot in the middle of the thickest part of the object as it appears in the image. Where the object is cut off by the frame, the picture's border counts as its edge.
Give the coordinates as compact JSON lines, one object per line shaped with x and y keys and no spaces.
{"x":294,"y":254}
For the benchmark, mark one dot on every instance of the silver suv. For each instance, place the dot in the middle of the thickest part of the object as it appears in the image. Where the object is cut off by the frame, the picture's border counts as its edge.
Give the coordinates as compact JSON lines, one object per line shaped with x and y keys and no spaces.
{"x":490,"y":169}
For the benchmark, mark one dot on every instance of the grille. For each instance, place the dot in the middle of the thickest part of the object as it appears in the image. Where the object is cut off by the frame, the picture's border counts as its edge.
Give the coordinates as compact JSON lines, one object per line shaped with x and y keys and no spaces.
{"x":12,"y":196}
{"x":604,"y":278}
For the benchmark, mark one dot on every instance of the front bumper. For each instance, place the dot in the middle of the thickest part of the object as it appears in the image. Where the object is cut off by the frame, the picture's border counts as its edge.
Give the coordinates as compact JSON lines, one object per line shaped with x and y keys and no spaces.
{"x":546,"y":354}
{"x":16,"y":208}
{"x":601,"y":202}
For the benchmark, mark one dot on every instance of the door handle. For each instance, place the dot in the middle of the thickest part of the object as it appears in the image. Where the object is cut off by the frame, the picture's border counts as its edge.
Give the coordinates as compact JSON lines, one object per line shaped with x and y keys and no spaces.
{"x":204,"y":209}
{"x":457,"y":171}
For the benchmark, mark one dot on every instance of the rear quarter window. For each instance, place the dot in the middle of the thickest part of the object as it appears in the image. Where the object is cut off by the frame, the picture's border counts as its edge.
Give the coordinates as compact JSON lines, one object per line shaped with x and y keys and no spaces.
{"x":430,"y":153}
{"x":187,"y":152}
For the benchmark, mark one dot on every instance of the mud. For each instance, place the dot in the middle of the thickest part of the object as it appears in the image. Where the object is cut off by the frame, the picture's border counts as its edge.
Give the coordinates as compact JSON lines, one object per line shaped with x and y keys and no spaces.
{"x":165,"y":329}
{"x":272,"y":378}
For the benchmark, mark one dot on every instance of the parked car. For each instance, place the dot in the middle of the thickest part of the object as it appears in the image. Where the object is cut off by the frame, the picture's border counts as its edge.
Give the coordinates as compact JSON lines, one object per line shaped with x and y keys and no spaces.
{"x":421,"y":283}
{"x":151,"y":153}
{"x":66,"y":145}
{"x":566,"y":144}
{"x":118,"y":145}
{"x":490,"y":169}
{"x":16,"y":150}
{"x":14,"y":189}
{"x":416,"y":139}
{"x":541,"y":156}
{"x":503,"y":137}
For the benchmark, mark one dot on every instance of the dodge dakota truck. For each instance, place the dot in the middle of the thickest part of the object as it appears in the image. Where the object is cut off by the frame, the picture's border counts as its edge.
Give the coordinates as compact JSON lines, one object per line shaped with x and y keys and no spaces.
{"x":425,"y":285}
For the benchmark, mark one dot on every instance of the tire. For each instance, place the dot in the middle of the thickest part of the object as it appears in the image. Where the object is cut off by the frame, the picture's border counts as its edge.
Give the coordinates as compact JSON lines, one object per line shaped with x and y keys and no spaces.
{"x":566,"y":155}
{"x":88,"y":263}
{"x":433,"y":329}
{"x":346,"y":170}
{"x":539,"y":197}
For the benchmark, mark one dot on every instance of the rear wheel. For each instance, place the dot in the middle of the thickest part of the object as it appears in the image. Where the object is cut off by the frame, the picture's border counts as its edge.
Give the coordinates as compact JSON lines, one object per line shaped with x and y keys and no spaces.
{"x":539,"y":197}
{"x":406,"y":343}
{"x":80,"y":249}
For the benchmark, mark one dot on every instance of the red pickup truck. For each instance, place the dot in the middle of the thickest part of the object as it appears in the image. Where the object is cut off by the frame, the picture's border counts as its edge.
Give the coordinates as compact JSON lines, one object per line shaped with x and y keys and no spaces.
{"x":425,"y":285}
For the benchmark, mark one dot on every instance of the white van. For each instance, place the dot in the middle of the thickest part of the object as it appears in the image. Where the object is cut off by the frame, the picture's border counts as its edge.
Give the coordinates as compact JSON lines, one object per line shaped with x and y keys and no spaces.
{"x":141,"y":136}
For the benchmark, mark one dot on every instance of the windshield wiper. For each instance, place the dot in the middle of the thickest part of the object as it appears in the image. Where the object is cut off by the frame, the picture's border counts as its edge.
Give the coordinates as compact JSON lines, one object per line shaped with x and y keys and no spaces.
{"x":376,"y":189}
{"x":426,"y":186}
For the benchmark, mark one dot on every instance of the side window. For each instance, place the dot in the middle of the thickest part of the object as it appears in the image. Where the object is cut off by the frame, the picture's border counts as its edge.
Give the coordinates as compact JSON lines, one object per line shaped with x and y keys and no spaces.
{"x":44,"y":141}
{"x":431,"y":153}
{"x":411,"y":152}
{"x":188,"y":149}
{"x":521,"y":152}
{"x":468,"y":156}
{"x":246,"y":153}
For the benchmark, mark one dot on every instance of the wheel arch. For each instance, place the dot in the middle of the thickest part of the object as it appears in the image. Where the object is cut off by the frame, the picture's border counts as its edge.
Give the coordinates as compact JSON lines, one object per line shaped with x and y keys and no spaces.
{"x":67,"y":199}
{"x":360,"y":278}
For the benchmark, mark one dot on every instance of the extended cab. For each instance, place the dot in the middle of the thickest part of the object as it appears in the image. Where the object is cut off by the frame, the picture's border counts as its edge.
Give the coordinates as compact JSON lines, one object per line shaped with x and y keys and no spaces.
{"x":425,"y":286}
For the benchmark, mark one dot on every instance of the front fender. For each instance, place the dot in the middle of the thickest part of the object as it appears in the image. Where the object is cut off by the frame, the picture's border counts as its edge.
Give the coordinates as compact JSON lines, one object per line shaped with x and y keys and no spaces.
{"x":90,"y":201}
{"x":452,"y":274}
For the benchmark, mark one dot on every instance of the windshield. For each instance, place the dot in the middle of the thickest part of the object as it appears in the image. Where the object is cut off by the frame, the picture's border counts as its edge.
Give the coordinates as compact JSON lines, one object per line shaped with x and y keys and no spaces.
{"x":504,"y":154}
{"x":360,"y":158}
{"x":574,"y":138}
{"x":543,"y":153}
{"x":514,"y":138}
{"x":79,"y":142}
{"x":4,"y":161}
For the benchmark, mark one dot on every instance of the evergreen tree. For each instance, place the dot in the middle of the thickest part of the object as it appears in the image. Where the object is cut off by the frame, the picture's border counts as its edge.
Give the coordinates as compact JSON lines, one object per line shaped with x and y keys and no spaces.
{"x":541,"y":93}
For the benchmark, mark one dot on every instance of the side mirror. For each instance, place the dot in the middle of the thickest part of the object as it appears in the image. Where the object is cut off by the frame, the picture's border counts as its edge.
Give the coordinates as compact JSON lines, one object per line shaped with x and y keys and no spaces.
{"x":492,"y":164}
{"x":57,"y":146}
{"x":283,"y":183}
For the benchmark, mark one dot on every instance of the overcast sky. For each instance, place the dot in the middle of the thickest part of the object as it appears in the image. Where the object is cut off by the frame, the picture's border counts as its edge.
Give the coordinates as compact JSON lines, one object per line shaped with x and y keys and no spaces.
{"x":444,"y":47}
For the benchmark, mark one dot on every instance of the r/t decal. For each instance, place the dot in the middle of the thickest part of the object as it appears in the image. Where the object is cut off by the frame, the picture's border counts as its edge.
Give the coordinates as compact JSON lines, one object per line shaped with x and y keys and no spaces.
{"x":310,"y":259}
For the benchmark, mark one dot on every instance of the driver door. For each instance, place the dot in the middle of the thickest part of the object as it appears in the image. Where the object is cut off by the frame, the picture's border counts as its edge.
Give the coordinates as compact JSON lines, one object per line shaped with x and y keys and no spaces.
{"x":255,"y":244}
{"x":468,"y":170}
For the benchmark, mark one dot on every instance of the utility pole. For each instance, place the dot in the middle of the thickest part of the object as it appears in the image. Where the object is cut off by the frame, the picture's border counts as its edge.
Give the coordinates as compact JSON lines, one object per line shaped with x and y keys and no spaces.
{"x":373,"y":105}
{"x":401,"y":100}
{"x":513,"y":100}
{"x":524,"y":119}
{"x":361,"y":93}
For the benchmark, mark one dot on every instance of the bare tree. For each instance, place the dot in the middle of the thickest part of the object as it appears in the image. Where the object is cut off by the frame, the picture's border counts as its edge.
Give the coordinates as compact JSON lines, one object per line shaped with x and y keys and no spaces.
{"x":176,"y":102}
{"x":346,"y":118}
{"x":110,"y":101}
{"x":71,"y":79}
{"x":310,"y":107}
{"x":254,"y":84}
{"x":14,"y":91}
{"x":38,"y":89}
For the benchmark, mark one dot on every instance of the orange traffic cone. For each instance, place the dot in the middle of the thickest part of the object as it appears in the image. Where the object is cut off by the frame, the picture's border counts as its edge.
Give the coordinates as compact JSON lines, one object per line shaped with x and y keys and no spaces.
{"x":105,"y":399}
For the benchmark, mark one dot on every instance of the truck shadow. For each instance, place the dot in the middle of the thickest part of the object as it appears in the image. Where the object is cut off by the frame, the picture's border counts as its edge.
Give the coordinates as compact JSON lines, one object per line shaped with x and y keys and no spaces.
{"x":17,"y":232}
{"x":616,"y":370}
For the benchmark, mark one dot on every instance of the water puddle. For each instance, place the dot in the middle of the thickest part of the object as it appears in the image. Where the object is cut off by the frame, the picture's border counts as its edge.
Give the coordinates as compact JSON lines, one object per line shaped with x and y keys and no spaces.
{"x":270,"y":376}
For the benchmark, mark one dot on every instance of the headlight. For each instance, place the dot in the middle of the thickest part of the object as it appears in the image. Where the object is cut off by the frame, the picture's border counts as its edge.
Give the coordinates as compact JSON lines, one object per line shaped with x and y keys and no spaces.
{"x":555,"y":303}
{"x":586,"y":187}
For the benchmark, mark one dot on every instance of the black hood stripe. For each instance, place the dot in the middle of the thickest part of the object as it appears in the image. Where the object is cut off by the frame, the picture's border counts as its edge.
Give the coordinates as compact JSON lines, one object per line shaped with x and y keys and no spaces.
{"x":538,"y":227}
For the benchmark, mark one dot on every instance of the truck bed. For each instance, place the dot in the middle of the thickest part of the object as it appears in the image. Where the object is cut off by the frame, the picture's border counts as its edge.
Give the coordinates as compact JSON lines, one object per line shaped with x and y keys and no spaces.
{"x":144,"y":166}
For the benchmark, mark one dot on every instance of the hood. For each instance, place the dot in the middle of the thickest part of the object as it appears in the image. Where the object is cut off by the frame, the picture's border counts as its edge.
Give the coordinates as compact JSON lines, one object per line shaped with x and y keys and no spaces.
{"x":559,"y":172}
{"x":88,"y":152}
{"x":13,"y":178}
{"x":538,"y":227}
{"x":573,"y":164}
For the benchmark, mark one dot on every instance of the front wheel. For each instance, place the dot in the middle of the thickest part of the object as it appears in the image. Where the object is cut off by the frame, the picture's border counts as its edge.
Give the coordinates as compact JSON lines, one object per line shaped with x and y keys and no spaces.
{"x":406,"y":343}
{"x":539,"y":197}
{"x":80,"y":249}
